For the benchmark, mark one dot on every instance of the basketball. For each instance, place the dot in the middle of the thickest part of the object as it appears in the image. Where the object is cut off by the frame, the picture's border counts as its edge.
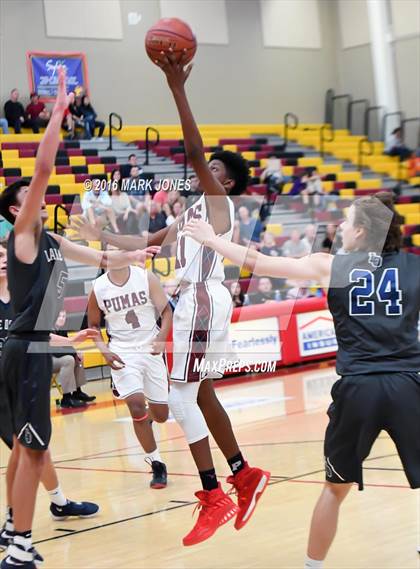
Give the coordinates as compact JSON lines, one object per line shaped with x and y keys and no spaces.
{"x":170,"y":33}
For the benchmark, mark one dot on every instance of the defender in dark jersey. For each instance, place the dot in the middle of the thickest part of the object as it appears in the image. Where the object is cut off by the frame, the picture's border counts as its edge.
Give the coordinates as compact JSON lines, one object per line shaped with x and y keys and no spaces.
{"x":37,"y":276}
{"x":61,"y":507}
{"x":374,"y":297}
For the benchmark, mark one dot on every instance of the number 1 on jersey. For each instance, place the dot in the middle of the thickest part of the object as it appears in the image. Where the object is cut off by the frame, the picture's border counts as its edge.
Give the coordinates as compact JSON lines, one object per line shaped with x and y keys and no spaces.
{"x":131,"y":318}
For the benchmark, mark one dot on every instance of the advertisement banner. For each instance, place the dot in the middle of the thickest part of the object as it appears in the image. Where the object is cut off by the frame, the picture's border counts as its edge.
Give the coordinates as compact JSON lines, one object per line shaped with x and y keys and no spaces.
{"x":256,"y":341}
{"x":316,"y":333}
{"x":43,"y":72}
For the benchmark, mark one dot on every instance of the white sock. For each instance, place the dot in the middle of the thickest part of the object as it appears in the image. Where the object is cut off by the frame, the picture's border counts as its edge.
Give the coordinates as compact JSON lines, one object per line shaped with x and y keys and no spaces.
{"x":312,"y":563}
{"x":8,"y":524}
{"x":57,"y":497}
{"x":153,"y":456}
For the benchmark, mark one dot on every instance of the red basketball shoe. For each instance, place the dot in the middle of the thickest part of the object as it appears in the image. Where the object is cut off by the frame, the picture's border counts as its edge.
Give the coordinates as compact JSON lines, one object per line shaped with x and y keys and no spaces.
{"x":249,"y":484}
{"x":216,"y":509}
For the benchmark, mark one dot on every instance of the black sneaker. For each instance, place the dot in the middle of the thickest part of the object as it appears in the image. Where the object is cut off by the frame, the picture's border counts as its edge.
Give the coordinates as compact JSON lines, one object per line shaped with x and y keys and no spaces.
{"x":76,"y":509}
{"x":72,"y":403}
{"x":12,"y":562}
{"x":38,"y":559}
{"x":81,"y":396}
{"x":160,"y":475}
{"x":5,"y":538}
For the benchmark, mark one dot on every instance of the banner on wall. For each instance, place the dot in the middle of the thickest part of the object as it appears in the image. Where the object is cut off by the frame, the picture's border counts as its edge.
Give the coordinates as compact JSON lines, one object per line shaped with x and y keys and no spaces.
{"x":256,"y":341}
{"x":316,"y":333}
{"x":43,"y":72}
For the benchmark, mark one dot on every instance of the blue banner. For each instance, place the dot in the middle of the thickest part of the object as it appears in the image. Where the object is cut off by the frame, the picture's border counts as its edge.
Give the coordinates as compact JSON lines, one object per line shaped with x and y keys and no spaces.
{"x":44,"y":72}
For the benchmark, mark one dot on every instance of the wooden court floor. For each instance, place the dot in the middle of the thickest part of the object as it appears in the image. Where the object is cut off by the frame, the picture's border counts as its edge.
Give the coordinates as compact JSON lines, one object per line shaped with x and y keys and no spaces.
{"x":280,"y":423}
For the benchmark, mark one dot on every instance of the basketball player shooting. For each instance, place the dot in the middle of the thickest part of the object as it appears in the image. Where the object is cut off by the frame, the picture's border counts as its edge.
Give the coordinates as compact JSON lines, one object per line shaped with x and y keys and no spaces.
{"x":374,"y":298}
{"x":201,"y":322}
{"x":37,"y":274}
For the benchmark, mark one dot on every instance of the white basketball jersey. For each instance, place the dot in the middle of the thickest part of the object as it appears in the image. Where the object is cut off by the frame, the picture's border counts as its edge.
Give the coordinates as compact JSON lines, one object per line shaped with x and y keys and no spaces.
{"x":195,"y":263}
{"x":131,"y":318}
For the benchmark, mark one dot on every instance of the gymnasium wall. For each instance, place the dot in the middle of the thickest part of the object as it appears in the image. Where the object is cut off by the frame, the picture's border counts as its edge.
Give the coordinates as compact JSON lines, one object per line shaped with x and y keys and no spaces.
{"x":354,"y":58}
{"x":239,"y":82}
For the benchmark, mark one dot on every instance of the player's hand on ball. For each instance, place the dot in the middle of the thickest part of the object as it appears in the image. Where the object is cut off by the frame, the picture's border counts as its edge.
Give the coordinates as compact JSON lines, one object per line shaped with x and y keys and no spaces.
{"x":199,"y":230}
{"x":176,"y":70}
{"x":113,"y":360}
{"x":63,"y":100}
{"x":84,"y":229}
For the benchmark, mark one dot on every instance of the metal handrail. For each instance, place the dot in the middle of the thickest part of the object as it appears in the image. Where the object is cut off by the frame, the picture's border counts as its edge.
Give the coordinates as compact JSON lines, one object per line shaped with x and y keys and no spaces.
{"x":350,"y":112}
{"x":288,"y":125}
{"x":361,"y":153}
{"x":323,"y":138}
{"x":367,"y":119}
{"x":155,"y":143}
{"x":111,"y":126}
{"x":57,"y":224}
{"x":337,"y":98}
{"x":328,"y":105}
{"x":385,"y":120}
{"x":412,"y":119}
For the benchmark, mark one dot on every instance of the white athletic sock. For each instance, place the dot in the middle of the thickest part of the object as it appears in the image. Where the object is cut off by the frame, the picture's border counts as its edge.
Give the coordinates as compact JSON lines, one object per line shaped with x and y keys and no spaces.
{"x":153,"y":456}
{"x":312,"y":563}
{"x":9,"y":526}
{"x":57,"y":497}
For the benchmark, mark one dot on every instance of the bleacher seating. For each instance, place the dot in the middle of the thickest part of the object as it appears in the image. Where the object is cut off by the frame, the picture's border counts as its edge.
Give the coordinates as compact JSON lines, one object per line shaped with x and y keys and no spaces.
{"x":77,"y":161}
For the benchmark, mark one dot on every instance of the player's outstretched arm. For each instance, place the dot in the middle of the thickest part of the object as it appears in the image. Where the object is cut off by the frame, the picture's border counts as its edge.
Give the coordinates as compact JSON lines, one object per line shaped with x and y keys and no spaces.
{"x":90,"y":232}
{"x":176,"y":75}
{"x":28,"y":216}
{"x":104,"y":259}
{"x":316,"y":267}
{"x":94,"y":321}
{"x":161,"y":304}
{"x":57,"y":341}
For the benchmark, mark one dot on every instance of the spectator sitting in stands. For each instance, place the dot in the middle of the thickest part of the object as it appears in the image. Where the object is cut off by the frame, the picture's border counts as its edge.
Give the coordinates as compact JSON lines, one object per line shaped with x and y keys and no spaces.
{"x":71,"y":374}
{"x":249,"y":227}
{"x":136,"y":190}
{"x":36,"y":112}
{"x":273,"y":175}
{"x":395,"y":145}
{"x":330,"y":241}
{"x":295,"y":246}
{"x":238,"y":297}
{"x":310,"y":237}
{"x":176,"y":210}
{"x":97,"y":207}
{"x":268,"y":245}
{"x":121,"y":205}
{"x":296,"y":290}
{"x":152,"y":220}
{"x":89,"y":117}
{"x":313,"y":190}
{"x":77,"y":116}
{"x":265,"y":292}
{"x":4,"y":126}
{"x":15,"y":114}
{"x":194,"y":190}
{"x":297,"y":186}
{"x":126,"y":168}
